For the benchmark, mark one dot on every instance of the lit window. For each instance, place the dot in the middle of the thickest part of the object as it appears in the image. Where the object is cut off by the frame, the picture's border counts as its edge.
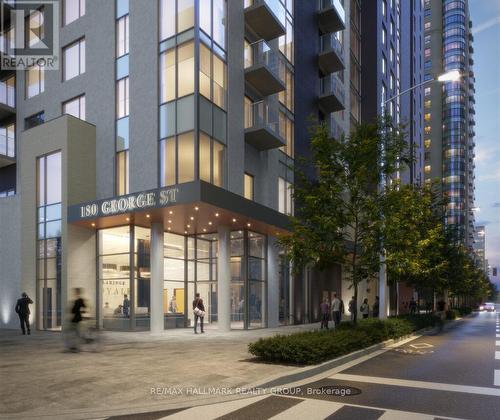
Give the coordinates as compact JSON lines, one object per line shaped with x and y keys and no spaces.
{"x":384,"y":65}
{"x":427,"y":26}
{"x":427,"y":169}
{"x":72,"y":10}
{"x":285,"y":203}
{"x":122,"y":36}
{"x":427,"y":91}
{"x":34,"y":120}
{"x":427,"y":143}
{"x":249,"y":187}
{"x":427,"y":129}
{"x":35,"y":81}
{"x":384,"y":36}
{"x":428,"y":103}
{"x":75,"y":107}
{"x":122,"y":172}
{"x":74,"y":59}
{"x":122,"y":98}
{"x":427,"y":116}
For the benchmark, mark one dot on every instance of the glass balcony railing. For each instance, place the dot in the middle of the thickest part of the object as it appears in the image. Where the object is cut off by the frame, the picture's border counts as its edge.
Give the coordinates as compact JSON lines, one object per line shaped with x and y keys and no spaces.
{"x":7,"y":145}
{"x":8,"y":93}
{"x":331,"y":58}
{"x":330,"y":42}
{"x":259,"y":53}
{"x":262,"y":115}
{"x":331,"y":85}
{"x":331,"y":15}
{"x":263,"y":69}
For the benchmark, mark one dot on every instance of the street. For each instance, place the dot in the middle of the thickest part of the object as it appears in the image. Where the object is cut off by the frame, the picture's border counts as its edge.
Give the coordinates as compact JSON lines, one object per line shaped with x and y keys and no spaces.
{"x":454,"y":374}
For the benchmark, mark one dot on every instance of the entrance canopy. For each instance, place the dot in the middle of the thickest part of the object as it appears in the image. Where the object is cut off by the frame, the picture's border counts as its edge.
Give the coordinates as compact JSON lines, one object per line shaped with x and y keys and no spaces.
{"x":191,"y":208}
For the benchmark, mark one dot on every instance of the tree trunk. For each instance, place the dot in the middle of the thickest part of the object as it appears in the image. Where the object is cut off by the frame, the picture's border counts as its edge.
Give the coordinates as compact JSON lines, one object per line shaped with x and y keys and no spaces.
{"x":355,"y":319}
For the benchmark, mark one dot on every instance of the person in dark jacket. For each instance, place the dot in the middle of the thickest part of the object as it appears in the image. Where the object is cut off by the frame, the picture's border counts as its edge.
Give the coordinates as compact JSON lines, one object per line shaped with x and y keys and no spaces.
{"x":199,"y":312}
{"x":23,"y":311}
{"x":376,"y":307}
{"x":77,"y":310}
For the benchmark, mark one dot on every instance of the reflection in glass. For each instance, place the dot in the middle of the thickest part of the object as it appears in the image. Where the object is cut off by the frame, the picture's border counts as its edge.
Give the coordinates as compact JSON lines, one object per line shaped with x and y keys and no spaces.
{"x":186,"y":157}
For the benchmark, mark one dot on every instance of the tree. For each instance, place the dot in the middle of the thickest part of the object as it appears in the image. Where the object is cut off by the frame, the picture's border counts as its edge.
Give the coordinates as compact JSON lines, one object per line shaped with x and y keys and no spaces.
{"x":339,"y":212}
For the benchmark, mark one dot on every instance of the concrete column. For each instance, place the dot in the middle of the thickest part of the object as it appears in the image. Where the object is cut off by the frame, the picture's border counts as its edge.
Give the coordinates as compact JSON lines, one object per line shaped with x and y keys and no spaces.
{"x":156,"y":290}
{"x":224,"y":279}
{"x":382,"y":288}
{"x":272,"y":283}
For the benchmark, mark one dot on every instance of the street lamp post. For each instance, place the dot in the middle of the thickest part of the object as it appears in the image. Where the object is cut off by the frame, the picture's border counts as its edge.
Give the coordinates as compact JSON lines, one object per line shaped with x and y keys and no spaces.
{"x":450,"y":76}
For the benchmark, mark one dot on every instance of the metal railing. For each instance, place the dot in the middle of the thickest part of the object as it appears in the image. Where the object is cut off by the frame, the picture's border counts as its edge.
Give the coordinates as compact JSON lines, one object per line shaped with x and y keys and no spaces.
{"x":262,"y":114}
{"x":259,"y":53}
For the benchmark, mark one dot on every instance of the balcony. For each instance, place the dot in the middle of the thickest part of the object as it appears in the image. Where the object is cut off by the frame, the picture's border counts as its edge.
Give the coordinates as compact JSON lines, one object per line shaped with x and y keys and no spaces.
{"x":331,"y":54}
{"x":331,"y":16}
{"x":7,"y":148}
{"x":335,"y":130}
{"x":7,"y":98}
{"x":262,"y":69}
{"x":266,"y":18}
{"x":331,"y":94}
{"x":262,"y":126}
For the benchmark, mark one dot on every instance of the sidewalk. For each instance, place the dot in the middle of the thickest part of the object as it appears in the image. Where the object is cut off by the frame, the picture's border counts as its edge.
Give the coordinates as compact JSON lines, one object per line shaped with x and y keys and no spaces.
{"x":39,"y":380}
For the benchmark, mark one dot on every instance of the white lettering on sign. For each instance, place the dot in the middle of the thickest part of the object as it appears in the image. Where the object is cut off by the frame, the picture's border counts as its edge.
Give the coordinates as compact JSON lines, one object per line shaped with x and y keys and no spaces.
{"x":130,"y":203}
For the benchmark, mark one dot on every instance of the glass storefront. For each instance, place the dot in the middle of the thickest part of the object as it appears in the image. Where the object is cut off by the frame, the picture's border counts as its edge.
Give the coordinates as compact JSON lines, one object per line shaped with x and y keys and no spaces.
{"x":190,"y":267}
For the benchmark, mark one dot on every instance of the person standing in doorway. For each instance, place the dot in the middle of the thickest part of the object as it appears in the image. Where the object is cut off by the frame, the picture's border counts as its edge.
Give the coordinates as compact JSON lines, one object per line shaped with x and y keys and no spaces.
{"x":325,"y":313}
{"x":199,"y":312}
{"x":365,"y":308}
{"x":376,"y":307}
{"x":352,"y":308}
{"x":23,"y":311}
{"x":412,"y":306}
{"x":126,"y":306}
{"x":336,"y":308}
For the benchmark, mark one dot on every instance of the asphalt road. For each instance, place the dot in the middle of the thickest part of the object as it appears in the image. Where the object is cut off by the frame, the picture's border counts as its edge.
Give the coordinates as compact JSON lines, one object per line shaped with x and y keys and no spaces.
{"x":454,"y":374}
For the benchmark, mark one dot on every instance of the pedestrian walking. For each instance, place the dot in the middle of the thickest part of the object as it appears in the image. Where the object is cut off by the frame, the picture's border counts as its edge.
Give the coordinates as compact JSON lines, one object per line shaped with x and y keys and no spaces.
{"x":376,"y":307}
{"x":77,"y":310}
{"x":336,"y":310}
{"x":352,"y":308}
{"x":126,"y":306}
{"x":365,"y":308}
{"x":199,"y":312}
{"x":23,"y":311}
{"x":325,"y":313}
{"x":412,"y":306}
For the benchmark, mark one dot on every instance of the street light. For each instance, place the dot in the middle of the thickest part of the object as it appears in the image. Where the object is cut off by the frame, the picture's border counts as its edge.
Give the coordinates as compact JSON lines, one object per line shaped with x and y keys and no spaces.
{"x":449,"y":76}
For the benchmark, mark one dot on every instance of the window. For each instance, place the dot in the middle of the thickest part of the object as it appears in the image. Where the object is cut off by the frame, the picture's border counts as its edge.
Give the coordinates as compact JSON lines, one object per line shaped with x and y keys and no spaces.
{"x":427,"y":143}
{"x":75,"y":107}
{"x":185,"y":69}
{"x":122,"y":36}
{"x":384,"y":65}
{"x":285,"y":197}
{"x":392,"y":54}
{"x":211,"y":160}
{"x":178,"y":168}
{"x":35,"y":81}
{"x":427,"y":91}
{"x":183,"y":17}
{"x":427,"y":116}
{"x":427,"y":169}
{"x":215,"y":79}
{"x":72,"y":10}
{"x":384,"y":7}
{"x":181,"y":71}
{"x":8,"y":140}
{"x":122,"y":172}
{"x":122,"y":98}
{"x":74,"y":59}
{"x":34,"y":120}
{"x":384,"y":36}
{"x":36,"y":29}
{"x":249,"y":187}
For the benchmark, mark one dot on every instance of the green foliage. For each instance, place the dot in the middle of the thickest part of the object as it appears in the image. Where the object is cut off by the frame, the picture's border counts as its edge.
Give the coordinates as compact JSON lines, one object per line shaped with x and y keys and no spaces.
{"x":317,"y":346}
{"x":452,"y":314}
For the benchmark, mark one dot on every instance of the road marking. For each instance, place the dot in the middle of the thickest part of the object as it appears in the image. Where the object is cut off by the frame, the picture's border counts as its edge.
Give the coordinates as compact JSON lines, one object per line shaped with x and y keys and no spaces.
{"x":496,"y":380}
{"x":423,"y":384}
{"x":421,"y":346}
{"x":309,"y":409}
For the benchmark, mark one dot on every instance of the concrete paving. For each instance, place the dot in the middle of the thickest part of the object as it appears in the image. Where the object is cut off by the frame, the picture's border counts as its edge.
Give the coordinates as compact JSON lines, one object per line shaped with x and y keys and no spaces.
{"x":40,"y":380}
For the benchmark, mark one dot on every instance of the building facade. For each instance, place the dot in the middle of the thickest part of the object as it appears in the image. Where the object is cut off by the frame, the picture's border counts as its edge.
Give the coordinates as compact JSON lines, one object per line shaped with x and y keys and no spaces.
{"x":449,"y":110}
{"x":480,"y":247}
{"x":153,"y":165}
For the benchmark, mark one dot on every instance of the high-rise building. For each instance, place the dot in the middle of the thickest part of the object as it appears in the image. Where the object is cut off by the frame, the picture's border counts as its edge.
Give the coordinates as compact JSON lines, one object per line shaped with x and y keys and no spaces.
{"x":449,"y":110}
{"x":392,"y":66}
{"x":480,"y":247}
{"x":155,"y":162}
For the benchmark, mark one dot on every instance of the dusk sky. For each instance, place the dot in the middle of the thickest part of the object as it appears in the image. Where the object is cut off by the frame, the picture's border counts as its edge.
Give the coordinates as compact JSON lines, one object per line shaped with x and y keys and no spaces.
{"x":485,"y":16}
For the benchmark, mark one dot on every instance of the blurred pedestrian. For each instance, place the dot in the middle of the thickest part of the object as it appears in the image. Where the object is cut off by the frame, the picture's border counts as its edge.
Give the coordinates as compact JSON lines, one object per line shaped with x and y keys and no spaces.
{"x":336,"y":310}
{"x":352,"y":308}
{"x":126,"y":306}
{"x":78,"y":309}
{"x":365,"y":308}
{"x":325,"y":313}
{"x":23,"y":311}
{"x":376,"y":307}
{"x":412,"y":306}
{"x":199,"y":312}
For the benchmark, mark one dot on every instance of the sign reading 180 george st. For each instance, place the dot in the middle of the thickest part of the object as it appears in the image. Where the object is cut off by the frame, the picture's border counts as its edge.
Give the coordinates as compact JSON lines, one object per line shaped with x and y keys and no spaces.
{"x":129,"y":203}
